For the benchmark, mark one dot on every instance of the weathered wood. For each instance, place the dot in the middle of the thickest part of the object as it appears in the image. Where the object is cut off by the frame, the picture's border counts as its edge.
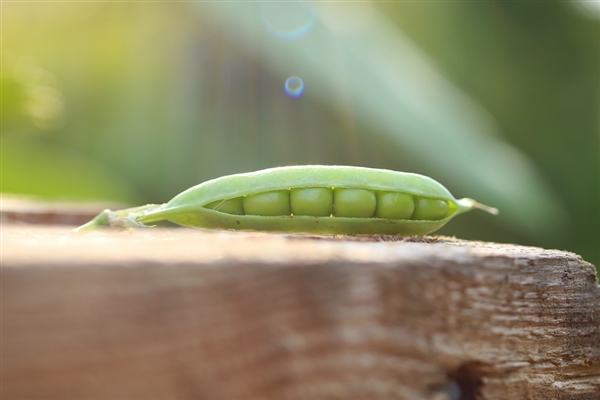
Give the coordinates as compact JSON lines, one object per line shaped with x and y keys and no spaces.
{"x":15,"y":209}
{"x":184,"y":314}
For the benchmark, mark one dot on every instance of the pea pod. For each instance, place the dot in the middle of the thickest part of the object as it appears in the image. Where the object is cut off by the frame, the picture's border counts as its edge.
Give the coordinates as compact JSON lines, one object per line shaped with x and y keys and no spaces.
{"x":307,"y":199}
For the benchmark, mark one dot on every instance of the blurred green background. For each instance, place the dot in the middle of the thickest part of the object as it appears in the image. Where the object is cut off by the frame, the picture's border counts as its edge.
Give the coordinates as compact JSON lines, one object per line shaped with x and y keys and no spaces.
{"x":135,"y":102}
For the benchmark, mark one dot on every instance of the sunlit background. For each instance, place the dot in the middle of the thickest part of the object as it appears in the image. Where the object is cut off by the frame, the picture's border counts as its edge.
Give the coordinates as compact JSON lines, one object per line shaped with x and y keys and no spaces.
{"x":136,"y":101}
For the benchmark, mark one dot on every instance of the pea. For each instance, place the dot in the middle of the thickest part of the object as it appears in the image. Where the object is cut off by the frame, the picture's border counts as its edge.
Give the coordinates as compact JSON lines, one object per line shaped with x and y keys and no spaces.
{"x":393,"y":205}
{"x":357,"y":203}
{"x":316,"y":202}
{"x":430,"y":209}
{"x":268,"y":203}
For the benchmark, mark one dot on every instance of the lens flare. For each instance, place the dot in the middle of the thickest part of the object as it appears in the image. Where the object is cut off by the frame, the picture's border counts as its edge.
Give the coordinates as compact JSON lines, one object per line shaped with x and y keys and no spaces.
{"x":288,"y":19}
{"x":294,"y":87}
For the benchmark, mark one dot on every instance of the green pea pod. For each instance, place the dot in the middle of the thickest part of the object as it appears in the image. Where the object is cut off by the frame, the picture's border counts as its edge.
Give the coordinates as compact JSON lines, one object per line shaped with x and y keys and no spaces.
{"x":306,"y":199}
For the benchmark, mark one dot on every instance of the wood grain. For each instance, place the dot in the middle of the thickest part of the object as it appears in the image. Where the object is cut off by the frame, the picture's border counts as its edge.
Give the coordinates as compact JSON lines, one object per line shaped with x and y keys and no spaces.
{"x":189,"y":314}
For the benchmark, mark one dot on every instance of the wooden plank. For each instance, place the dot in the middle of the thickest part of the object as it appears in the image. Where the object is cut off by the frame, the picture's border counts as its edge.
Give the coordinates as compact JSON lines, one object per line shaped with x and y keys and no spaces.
{"x":16,"y":209}
{"x":189,"y":314}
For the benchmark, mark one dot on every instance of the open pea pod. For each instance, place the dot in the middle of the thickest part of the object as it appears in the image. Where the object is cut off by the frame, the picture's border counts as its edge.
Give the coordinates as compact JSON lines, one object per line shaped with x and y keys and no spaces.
{"x":306,"y":199}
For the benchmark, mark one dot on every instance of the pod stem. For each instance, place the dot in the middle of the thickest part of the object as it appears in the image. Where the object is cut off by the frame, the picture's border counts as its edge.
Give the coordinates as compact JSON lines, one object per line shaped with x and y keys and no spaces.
{"x":127,"y":218}
{"x":99,"y":220}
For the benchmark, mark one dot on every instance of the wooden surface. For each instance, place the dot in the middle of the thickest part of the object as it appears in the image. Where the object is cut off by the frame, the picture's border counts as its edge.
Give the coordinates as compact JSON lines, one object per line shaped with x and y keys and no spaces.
{"x":15,"y":209}
{"x":188,"y":314}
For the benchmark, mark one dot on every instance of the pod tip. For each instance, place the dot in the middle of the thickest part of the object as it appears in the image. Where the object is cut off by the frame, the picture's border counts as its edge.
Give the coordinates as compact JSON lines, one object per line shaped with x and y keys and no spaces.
{"x":491,"y":210}
{"x":467,"y":204}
